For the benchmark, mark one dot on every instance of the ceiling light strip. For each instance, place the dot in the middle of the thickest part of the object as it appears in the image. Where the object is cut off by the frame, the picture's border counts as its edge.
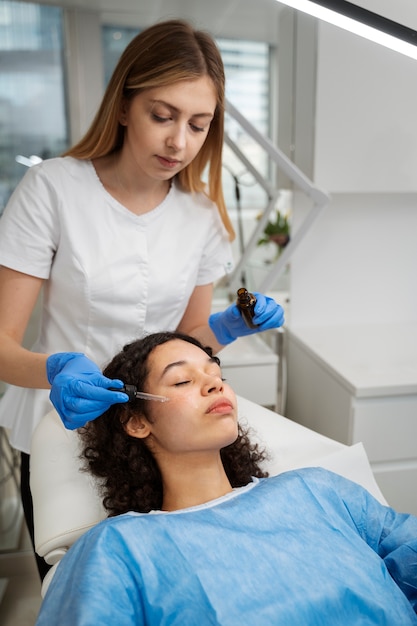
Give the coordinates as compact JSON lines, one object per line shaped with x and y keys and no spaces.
{"x":362,"y":22}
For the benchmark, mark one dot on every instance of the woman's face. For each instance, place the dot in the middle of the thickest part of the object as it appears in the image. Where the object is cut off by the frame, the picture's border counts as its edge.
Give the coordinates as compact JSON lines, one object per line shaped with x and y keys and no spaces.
{"x":201,"y":414}
{"x":167,"y":126}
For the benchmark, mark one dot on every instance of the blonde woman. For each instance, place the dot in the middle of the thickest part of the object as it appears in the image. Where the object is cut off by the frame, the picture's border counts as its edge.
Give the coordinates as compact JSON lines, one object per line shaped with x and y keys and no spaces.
{"x":122,"y":235}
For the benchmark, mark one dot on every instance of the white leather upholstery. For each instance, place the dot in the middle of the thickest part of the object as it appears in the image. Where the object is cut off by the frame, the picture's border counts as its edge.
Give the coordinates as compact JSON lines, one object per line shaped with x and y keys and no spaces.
{"x":66,"y":501}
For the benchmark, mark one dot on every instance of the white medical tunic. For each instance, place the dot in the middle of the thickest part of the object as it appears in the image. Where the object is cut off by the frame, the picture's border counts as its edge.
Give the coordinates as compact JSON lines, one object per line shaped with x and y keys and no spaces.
{"x":111,"y":275}
{"x":305,"y":548}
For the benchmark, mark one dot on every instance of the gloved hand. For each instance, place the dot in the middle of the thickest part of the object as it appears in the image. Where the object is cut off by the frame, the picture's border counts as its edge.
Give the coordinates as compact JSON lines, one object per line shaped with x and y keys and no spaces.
{"x":228,"y":325}
{"x":79,"y":391}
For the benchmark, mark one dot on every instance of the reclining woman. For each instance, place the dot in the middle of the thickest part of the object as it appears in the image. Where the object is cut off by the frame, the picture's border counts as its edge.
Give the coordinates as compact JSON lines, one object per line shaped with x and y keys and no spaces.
{"x":198,"y":534}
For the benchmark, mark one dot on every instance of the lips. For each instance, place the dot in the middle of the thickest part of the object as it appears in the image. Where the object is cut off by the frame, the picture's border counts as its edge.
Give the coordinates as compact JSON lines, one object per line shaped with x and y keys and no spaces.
{"x":169,"y":163}
{"x":222,"y":406}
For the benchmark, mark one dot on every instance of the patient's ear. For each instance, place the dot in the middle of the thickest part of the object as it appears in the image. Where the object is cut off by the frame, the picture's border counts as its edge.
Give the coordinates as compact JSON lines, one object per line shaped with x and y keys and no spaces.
{"x":137,"y":426}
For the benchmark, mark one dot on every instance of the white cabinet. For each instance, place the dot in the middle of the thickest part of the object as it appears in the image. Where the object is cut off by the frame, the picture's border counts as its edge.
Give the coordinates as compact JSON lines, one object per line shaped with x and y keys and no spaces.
{"x":359,"y":383}
{"x":251,"y":367}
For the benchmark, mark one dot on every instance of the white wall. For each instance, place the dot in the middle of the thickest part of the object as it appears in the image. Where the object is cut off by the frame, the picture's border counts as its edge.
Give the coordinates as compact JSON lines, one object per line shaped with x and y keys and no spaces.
{"x":251,"y":19}
{"x":358,"y":263}
{"x":366,"y":113}
{"x":84,"y":67}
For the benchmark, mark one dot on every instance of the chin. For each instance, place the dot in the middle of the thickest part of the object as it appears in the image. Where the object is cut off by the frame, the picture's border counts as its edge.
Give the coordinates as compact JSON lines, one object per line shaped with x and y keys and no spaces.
{"x":231,"y":437}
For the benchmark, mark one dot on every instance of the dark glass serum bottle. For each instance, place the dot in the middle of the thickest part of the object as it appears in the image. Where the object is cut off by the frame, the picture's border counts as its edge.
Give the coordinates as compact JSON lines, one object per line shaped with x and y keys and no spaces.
{"x":246,"y":303}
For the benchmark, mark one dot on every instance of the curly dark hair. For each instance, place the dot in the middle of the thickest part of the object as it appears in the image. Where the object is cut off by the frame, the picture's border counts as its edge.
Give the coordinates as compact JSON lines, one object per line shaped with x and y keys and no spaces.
{"x":129,"y":476}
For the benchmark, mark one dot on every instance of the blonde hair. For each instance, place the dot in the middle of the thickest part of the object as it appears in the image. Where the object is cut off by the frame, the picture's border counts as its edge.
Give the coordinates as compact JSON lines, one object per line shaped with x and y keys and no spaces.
{"x":163,"y":54}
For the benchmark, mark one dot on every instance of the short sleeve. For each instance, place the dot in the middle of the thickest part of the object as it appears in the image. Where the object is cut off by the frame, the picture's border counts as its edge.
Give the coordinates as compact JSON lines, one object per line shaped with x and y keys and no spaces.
{"x":29,"y":227}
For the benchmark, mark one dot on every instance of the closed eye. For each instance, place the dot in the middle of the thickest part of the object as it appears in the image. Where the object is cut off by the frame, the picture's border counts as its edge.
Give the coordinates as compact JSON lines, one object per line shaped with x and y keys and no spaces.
{"x":159,"y":118}
{"x":183,"y":382}
{"x":197,"y":129}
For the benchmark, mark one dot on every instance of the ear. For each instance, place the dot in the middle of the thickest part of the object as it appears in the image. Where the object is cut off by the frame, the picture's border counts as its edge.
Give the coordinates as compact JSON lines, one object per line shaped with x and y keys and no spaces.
{"x":123,"y":113}
{"x":137,"y":426}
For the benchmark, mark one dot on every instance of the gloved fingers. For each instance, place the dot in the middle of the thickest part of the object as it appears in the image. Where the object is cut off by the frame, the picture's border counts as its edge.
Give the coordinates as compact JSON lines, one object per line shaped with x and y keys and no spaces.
{"x":277,"y":319}
{"x":272,"y":317}
{"x":77,"y":416}
{"x":268,"y":313}
{"x":115,"y":383}
{"x":75,"y":409}
{"x":96,"y":389}
{"x":79,"y":402}
{"x":260,"y":304}
{"x":101,"y":382}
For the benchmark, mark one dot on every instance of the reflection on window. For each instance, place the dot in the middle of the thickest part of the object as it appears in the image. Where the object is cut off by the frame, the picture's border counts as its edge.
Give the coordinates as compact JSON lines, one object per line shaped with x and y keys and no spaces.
{"x":247,"y":88}
{"x":32,"y":96}
{"x":247,"y":71}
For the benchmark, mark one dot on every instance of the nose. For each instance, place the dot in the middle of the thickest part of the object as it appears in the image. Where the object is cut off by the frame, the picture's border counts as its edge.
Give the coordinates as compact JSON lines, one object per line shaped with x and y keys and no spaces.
{"x":213,"y":384}
{"x":177,"y":137}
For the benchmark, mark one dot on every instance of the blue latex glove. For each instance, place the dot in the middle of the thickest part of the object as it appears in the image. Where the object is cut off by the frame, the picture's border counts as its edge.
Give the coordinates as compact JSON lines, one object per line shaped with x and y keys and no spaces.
{"x":79,"y":391}
{"x":228,"y":325}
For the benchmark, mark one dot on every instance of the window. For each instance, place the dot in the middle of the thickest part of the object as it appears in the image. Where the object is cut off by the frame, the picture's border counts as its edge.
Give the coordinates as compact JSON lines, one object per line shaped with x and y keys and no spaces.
{"x":247,"y":71}
{"x":32,"y":94}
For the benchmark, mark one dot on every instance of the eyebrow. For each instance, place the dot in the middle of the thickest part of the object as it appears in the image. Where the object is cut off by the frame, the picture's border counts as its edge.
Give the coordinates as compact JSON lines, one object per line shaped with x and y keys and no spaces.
{"x":173,"y":108}
{"x":170,"y":366}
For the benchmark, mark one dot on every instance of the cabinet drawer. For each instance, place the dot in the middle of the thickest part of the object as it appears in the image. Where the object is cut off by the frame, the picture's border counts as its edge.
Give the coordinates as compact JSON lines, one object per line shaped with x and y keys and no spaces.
{"x":386,"y":426}
{"x":251,"y":368}
{"x":398,"y":486}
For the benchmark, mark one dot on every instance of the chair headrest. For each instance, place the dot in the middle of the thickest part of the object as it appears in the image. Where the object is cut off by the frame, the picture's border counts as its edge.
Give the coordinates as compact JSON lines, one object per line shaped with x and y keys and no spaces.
{"x":66,"y":499}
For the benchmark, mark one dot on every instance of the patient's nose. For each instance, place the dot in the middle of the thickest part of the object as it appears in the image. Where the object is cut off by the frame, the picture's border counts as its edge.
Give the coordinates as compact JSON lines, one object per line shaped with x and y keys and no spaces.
{"x":213,"y":384}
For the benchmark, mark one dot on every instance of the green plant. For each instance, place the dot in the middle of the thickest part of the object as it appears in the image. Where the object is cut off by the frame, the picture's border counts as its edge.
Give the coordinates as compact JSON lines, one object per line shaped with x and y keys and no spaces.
{"x":277,"y":231}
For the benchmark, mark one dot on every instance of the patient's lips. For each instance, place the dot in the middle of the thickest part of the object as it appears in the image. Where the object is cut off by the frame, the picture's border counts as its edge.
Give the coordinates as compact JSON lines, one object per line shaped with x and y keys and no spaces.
{"x":221,"y":405}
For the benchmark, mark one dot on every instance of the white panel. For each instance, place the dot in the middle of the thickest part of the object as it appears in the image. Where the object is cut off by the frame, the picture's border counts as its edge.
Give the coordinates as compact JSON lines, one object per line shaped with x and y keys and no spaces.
{"x":315,"y":398}
{"x":370,"y":361}
{"x":357,"y":264}
{"x":366,"y":135}
{"x":398,"y":487}
{"x":251,"y":368}
{"x":246,"y":19}
{"x":387,"y":427}
{"x":85,"y":68}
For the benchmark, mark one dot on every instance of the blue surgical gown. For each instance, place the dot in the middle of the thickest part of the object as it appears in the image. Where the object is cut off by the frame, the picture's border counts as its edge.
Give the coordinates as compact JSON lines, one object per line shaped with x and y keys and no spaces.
{"x":305,"y":548}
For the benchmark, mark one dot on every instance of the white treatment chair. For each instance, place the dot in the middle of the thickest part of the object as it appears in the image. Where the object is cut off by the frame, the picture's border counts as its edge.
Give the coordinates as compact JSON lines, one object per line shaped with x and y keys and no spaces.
{"x":66,"y":502}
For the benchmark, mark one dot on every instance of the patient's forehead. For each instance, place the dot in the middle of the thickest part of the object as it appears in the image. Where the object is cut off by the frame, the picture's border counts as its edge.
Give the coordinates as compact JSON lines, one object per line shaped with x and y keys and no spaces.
{"x":176,"y":353}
